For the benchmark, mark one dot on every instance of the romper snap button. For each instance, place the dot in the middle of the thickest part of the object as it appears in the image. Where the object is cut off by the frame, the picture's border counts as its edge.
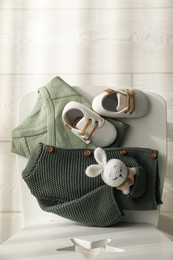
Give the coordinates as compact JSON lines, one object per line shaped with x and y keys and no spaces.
{"x":87,"y":152}
{"x":49,"y":149}
{"x":123,"y":151}
{"x":153,"y":155}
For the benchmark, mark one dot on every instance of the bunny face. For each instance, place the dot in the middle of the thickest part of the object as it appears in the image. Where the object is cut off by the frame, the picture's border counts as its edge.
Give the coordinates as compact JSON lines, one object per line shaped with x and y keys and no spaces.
{"x":114,"y":173}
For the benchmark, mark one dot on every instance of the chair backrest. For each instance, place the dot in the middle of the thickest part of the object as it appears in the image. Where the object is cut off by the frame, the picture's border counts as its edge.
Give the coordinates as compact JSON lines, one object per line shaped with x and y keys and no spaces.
{"x":148,"y":132}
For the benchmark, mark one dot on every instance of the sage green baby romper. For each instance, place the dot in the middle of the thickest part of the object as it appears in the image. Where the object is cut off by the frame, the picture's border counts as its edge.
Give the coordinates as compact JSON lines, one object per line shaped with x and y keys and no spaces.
{"x":44,"y":123}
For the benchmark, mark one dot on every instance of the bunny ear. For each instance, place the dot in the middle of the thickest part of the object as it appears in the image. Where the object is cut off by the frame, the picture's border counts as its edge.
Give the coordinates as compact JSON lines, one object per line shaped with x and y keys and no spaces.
{"x":100,"y":156}
{"x":93,"y":170}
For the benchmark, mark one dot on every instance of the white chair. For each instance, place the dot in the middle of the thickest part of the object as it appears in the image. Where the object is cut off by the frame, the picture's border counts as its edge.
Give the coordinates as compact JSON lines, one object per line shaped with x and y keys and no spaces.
{"x":48,"y":236}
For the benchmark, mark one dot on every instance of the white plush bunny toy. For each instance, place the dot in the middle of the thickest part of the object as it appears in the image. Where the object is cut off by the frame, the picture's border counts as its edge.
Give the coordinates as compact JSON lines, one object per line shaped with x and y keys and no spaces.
{"x":113,"y":172}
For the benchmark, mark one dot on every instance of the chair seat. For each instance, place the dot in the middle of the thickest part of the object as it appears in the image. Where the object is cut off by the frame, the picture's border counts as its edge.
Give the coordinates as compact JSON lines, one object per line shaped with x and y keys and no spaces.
{"x":53,"y":240}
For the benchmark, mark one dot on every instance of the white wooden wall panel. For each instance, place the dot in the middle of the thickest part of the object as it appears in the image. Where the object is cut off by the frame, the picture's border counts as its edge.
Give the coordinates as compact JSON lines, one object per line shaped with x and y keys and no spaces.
{"x":10,"y":223}
{"x":84,"y":4}
{"x":86,"y":41}
{"x":165,"y":224}
{"x":102,"y":42}
{"x":10,"y":196}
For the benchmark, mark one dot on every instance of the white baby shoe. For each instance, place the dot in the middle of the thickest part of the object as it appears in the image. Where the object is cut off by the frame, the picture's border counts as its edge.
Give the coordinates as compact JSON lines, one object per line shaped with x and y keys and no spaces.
{"x":88,"y":125}
{"x":121,"y":103}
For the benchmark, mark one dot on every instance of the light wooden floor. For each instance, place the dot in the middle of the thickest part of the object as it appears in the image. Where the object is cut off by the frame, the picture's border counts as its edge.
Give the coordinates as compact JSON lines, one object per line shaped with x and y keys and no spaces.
{"x":115,"y":43}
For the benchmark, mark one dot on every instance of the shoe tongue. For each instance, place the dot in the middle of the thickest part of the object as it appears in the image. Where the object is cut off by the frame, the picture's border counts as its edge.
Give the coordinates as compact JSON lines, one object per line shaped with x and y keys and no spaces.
{"x":121,"y":101}
{"x":80,"y":123}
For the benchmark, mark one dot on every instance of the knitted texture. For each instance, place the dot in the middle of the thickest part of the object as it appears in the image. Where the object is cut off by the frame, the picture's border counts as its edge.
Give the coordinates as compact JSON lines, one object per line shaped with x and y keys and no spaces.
{"x":44,"y":123}
{"x":56,"y":177}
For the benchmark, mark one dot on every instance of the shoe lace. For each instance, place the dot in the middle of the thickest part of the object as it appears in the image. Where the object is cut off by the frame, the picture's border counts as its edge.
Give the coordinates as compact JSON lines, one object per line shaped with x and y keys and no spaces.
{"x":130,"y":101}
{"x":88,"y":122}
